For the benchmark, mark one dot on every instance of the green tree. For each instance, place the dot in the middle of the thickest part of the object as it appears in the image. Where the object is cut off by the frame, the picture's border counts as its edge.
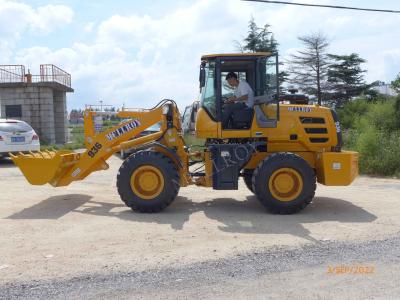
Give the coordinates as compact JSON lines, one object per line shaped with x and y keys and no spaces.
{"x":259,"y":39}
{"x":346,"y":77}
{"x":397,"y":111}
{"x":283,"y":76}
{"x":309,"y":67}
{"x":396,"y":84}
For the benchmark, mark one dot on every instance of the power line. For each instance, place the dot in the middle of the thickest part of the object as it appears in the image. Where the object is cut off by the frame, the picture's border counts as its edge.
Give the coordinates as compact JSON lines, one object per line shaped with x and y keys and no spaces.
{"x":326,"y":6}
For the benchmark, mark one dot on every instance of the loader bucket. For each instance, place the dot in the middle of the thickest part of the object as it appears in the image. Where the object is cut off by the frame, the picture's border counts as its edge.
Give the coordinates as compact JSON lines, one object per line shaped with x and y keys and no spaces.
{"x":45,"y":167}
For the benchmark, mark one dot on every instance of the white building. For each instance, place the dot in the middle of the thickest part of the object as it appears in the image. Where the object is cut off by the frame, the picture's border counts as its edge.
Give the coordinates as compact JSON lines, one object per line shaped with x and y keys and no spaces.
{"x":385,"y":89}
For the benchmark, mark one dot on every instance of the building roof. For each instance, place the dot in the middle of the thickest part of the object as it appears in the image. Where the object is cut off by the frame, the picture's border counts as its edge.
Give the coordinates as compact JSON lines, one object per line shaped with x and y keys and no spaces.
{"x":211,"y":56}
{"x":50,"y":76}
{"x":54,"y":85}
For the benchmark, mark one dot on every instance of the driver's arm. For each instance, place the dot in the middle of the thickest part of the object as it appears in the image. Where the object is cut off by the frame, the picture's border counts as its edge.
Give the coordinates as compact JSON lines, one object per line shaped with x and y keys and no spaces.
{"x":242,"y":98}
{"x":243,"y":90}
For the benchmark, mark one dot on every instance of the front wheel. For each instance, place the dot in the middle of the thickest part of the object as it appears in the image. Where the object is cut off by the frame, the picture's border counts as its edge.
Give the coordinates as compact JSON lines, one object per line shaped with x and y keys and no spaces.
{"x":122,"y":154}
{"x":284,"y":183}
{"x":148,"y":181}
{"x":248,"y":179}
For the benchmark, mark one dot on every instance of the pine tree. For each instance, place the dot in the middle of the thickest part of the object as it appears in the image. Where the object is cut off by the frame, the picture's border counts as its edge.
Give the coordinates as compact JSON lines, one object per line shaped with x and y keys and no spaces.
{"x":309,"y":67}
{"x":259,"y":39}
{"x":346,"y":77}
{"x":251,"y":40}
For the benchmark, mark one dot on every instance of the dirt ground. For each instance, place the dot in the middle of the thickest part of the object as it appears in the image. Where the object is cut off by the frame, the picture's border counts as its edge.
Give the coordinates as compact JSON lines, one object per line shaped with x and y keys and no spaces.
{"x":49,"y":233}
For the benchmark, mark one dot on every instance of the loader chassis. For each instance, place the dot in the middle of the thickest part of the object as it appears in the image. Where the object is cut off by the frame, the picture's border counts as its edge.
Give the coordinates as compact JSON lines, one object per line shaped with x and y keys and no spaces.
{"x":281,"y":152}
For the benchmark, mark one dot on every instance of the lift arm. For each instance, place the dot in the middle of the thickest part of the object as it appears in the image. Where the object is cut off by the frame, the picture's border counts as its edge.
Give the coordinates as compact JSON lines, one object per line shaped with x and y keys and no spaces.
{"x":60,"y":168}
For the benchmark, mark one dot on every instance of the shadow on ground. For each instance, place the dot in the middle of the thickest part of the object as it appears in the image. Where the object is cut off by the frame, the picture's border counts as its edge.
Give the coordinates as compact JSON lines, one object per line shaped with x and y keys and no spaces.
{"x":52,"y":208}
{"x":6,"y":162}
{"x":234,"y":216}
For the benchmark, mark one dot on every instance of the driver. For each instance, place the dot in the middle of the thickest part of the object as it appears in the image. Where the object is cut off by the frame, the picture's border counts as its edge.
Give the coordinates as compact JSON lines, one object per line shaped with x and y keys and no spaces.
{"x":243,"y":96}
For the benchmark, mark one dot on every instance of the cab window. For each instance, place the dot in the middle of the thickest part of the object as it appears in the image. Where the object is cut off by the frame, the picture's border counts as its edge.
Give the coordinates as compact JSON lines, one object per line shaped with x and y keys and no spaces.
{"x":267,"y":86}
{"x":267,"y":82}
{"x":208,"y":95}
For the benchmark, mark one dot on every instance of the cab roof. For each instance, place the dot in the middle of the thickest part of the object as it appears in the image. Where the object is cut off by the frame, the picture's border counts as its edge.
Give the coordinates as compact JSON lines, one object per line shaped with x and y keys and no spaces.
{"x":256,"y":54}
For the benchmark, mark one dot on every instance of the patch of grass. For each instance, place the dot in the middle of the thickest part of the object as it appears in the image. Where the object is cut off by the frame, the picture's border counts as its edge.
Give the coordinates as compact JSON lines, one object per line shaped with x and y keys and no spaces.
{"x":77,"y":140}
{"x":380,"y":152}
{"x":373,"y":129}
{"x":77,"y":137}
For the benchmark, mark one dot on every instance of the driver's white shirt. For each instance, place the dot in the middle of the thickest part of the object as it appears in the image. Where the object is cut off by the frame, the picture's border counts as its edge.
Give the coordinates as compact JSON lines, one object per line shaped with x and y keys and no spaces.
{"x":244,"y":89}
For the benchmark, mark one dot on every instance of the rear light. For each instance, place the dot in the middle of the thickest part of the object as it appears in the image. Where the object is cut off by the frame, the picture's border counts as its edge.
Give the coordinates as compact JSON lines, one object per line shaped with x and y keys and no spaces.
{"x":35,"y":137}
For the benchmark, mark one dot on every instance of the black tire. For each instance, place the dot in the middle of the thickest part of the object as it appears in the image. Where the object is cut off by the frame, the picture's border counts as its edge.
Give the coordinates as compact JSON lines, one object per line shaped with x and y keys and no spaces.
{"x":274,"y":162}
{"x":248,"y":179}
{"x":161,"y":163}
{"x":123,"y":154}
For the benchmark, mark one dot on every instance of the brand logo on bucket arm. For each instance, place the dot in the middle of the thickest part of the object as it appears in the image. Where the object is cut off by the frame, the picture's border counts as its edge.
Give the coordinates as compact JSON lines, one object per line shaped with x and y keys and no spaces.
{"x":123,"y":129}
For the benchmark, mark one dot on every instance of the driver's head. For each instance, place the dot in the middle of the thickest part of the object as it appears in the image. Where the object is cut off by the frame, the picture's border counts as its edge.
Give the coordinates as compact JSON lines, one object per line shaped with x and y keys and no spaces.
{"x":232,"y":79}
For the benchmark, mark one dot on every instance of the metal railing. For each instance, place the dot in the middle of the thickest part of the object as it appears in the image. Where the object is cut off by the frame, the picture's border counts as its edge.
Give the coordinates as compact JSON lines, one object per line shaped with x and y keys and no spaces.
{"x":51,"y":73}
{"x":48,"y":73}
{"x":12,"y":73}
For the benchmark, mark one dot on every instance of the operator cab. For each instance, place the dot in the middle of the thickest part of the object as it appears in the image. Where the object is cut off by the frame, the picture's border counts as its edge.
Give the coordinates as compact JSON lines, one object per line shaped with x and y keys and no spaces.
{"x":259,"y":70}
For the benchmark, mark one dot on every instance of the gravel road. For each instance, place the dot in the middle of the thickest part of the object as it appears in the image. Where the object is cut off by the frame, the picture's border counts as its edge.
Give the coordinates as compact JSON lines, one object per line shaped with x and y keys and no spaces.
{"x":82,"y":242}
{"x":307,"y":272}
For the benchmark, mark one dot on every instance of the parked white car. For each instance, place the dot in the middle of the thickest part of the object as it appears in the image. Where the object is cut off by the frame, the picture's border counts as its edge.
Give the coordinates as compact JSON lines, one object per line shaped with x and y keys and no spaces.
{"x":17,"y":136}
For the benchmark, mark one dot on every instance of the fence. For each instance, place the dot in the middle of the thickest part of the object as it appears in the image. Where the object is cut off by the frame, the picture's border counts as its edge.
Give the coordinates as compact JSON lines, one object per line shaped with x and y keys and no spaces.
{"x":48,"y":73}
{"x":12,"y":73}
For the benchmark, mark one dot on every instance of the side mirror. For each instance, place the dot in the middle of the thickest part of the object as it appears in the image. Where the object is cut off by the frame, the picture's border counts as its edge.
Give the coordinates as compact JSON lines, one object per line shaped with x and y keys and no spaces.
{"x":202,"y":77}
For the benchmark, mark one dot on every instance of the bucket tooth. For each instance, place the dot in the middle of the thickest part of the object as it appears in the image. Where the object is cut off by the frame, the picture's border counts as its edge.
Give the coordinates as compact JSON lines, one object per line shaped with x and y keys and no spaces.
{"x":37,"y":154}
{"x":33,"y":154}
{"x":50,"y":153}
{"x":45,"y":154}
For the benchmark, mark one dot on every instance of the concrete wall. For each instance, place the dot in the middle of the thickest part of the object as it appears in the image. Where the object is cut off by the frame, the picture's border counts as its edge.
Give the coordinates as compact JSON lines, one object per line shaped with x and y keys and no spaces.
{"x":42,"y":107}
{"x":60,"y":116}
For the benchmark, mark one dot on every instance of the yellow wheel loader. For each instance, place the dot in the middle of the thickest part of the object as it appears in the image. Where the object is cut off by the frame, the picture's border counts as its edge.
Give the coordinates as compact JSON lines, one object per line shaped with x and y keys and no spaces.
{"x":280,"y":149}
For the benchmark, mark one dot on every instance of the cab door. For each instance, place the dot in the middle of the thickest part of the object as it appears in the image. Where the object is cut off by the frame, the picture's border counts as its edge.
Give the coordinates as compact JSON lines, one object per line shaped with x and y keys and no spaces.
{"x":244,"y":67}
{"x":266,"y":101}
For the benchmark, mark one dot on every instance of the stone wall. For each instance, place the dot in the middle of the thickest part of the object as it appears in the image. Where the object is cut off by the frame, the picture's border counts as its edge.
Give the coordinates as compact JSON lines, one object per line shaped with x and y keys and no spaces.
{"x":60,"y":116}
{"x":42,"y":107}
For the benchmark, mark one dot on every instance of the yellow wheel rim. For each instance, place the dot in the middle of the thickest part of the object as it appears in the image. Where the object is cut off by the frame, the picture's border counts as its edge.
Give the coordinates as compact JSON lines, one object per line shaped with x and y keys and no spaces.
{"x":147,"y":182}
{"x":285,"y":184}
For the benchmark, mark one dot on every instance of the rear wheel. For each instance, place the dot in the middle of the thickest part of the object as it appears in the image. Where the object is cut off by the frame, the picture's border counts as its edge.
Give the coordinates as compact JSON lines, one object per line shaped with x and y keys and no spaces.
{"x":284,"y":183}
{"x":148,"y":181}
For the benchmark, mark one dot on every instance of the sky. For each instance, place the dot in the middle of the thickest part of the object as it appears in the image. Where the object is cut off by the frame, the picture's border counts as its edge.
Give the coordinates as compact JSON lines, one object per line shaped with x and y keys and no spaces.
{"x":135,"y":53}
